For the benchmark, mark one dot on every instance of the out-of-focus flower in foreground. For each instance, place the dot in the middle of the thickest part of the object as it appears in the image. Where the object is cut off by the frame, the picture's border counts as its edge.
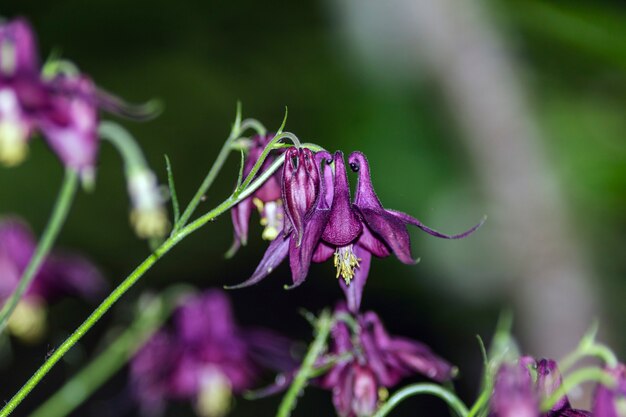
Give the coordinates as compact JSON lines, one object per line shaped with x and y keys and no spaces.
{"x":611,"y":402}
{"x":205,"y":358}
{"x":517,"y":394}
{"x":59,"y":276}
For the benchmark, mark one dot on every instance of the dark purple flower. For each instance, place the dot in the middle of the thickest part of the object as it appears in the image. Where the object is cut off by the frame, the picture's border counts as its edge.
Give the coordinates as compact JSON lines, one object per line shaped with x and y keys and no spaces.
{"x":64,"y":106}
{"x":515,"y":394}
{"x":611,"y":402}
{"x":367,"y":363}
{"x":59,"y":276}
{"x":362,"y":229}
{"x":205,"y":358}
{"x":267,"y":199}
{"x":299,"y":247}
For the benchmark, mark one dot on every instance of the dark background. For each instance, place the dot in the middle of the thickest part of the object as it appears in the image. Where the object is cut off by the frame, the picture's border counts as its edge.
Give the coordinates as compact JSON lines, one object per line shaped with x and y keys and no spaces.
{"x":200,"y":57}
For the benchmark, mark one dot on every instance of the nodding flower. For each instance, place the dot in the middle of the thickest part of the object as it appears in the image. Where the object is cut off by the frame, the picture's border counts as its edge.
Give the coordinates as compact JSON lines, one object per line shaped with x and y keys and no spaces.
{"x":266,"y":199}
{"x":611,"y":401}
{"x":519,"y":388}
{"x":205,"y":358}
{"x":326,"y":224}
{"x":364,"y":361}
{"x":62,"y":104}
{"x":61,"y":275}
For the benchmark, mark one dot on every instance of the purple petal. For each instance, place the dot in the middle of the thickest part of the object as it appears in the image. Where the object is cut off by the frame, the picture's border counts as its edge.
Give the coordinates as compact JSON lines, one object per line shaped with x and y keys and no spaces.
{"x":344,"y":225}
{"x":206,"y":315}
{"x":373,"y":244}
{"x":548,"y":381}
{"x":270,"y":350}
{"x":354,"y":291}
{"x":300,"y":256}
{"x":513,"y":393}
{"x":69,"y":275}
{"x":606,"y":400}
{"x":570,"y":412}
{"x":365,"y":196}
{"x":20,"y":38}
{"x":392,"y":231}
{"x":322,"y":253}
{"x":70,"y":128}
{"x":365,"y":391}
{"x":240,"y":215}
{"x":274,"y":255}
{"x":326,"y":182}
{"x":412,"y":220}
{"x":343,"y":393}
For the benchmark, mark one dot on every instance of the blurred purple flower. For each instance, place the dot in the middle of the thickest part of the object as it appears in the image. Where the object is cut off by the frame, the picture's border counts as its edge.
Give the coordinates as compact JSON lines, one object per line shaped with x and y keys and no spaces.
{"x":60,"y":275}
{"x":516,"y":395}
{"x":267,"y":199}
{"x":611,"y":402}
{"x":64,"y":107}
{"x":205,"y":358}
{"x":364,"y":365}
{"x":373,"y":362}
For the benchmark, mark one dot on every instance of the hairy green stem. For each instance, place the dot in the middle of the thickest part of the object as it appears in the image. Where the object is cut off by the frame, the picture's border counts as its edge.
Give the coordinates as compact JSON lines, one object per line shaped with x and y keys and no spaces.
{"x":425,"y":388}
{"x":150,"y":317}
{"x":57,"y":218}
{"x":121,"y":289}
{"x":307,"y":369}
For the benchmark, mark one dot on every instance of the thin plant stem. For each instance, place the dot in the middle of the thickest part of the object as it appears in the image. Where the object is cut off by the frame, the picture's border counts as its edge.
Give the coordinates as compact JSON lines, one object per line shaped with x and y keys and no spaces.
{"x":150,"y":317}
{"x":425,"y":388}
{"x":307,"y":369}
{"x":125,"y":285}
{"x":55,"y":223}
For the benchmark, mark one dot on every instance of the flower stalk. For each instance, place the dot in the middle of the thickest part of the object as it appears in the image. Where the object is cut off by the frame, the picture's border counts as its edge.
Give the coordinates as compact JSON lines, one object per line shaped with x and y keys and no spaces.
{"x":424,"y":388}
{"x":149,"y":318}
{"x":55,"y":223}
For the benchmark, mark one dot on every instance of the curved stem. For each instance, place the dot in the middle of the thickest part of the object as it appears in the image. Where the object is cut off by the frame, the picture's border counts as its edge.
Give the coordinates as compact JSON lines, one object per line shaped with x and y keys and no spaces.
{"x":57,"y":218}
{"x":121,"y":289}
{"x":307,"y":369}
{"x":149,"y":318}
{"x":426,"y":388}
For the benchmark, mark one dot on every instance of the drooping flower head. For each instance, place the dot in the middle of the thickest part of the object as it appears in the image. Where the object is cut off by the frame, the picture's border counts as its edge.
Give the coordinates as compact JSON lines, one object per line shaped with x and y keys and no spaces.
{"x":366,"y":361}
{"x":204,"y":358}
{"x":328,"y":225}
{"x":518,"y":392}
{"x":60,"y":275}
{"x":63,"y":105}
{"x":267,"y":199}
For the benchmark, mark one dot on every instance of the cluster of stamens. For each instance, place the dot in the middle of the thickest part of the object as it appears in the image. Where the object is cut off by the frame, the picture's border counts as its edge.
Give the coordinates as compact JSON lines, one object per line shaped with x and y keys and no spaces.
{"x":271,"y":217}
{"x":346,"y":262}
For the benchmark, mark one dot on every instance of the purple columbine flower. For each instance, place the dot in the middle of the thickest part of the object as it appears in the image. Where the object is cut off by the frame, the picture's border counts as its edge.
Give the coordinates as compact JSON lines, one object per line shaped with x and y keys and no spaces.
{"x":611,"y":402}
{"x":267,"y":199}
{"x":366,"y":361}
{"x":22,"y":94}
{"x":517,"y":394}
{"x":64,"y":106}
{"x":204,"y":358}
{"x":60,"y":275}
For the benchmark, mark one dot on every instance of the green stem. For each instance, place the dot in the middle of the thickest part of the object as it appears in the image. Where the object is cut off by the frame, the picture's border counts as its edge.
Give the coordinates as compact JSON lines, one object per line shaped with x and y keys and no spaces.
{"x":307,"y":368}
{"x":121,"y":289}
{"x":98,"y":371}
{"x":57,"y":218}
{"x":425,"y":388}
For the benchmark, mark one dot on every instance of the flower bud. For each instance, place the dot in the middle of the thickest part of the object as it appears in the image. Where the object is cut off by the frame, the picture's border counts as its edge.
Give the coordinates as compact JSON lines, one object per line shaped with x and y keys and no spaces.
{"x":148,"y":216}
{"x":301,"y":187}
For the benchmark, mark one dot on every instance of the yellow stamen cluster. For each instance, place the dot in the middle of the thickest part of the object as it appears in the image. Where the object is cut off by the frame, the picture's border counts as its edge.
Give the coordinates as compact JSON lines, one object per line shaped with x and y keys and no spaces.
{"x":271,"y":217}
{"x":28,"y":321}
{"x":346,"y":262}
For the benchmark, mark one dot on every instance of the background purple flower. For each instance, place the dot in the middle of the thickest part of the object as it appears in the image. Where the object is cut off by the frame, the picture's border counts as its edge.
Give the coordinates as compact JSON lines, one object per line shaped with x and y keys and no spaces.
{"x":60,"y":275}
{"x":205,"y":357}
